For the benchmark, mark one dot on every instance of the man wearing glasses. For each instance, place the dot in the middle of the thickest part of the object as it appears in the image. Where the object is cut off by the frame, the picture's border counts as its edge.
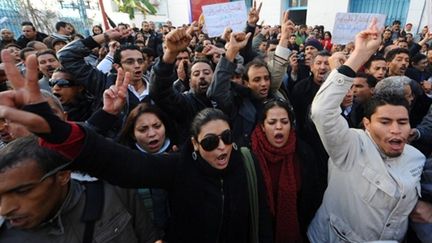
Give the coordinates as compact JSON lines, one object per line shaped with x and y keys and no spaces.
{"x":41,"y":203}
{"x":129,"y":58}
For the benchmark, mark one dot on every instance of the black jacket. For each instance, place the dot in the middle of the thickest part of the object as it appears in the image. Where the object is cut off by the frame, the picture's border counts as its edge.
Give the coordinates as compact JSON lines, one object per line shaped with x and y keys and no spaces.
{"x":181,"y":107}
{"x":208,"y":205}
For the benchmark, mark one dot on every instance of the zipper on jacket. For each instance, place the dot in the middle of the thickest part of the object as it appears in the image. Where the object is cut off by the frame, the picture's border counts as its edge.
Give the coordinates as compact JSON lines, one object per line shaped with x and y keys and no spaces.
{"x":222,"y":209}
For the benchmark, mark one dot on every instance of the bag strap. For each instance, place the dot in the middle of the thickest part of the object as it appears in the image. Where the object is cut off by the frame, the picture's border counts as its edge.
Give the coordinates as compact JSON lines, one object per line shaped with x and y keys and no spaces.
{"x":93,"y":208}
{"x":253,"y":192}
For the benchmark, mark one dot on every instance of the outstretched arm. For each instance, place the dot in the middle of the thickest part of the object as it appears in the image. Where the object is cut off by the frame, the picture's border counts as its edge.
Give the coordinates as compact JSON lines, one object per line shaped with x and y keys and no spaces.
{"x":332,"y":127}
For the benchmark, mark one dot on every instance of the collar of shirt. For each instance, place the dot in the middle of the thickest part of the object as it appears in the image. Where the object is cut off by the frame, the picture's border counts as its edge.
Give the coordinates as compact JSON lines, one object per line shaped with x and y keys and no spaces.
{"x":143,"y":94}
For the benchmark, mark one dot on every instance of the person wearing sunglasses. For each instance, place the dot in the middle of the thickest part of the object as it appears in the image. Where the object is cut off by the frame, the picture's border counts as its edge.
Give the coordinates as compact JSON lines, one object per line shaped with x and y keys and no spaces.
{"x":262,"y":80}
{"x":76,"y":101}
{"x":206,"y":180}
{"x":274,"y":143}
{"x":40,"y":202}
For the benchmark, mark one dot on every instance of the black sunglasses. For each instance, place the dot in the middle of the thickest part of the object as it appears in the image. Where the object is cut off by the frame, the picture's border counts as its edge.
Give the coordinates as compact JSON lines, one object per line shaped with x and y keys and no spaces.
{"x":211,"y":142}
{"x":62,"y":83}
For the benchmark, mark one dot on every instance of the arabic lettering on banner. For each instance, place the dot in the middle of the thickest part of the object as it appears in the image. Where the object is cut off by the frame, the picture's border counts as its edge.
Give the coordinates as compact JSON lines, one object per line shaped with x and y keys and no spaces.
{"x":347,"y":25}
{"x":219,"y":16}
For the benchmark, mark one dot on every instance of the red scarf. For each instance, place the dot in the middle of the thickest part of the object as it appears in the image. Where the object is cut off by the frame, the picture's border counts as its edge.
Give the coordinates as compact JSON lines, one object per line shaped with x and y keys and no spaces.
{"x":284,"y":209}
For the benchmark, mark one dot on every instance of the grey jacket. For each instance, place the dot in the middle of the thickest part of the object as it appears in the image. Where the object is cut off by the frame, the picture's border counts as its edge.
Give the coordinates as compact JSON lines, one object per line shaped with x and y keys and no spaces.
{"x":369,"y":196}
{"x":124,"y":219}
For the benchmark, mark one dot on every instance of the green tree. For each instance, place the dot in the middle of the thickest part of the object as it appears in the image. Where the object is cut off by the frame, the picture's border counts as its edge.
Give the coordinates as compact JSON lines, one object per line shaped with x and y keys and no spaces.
{"x":129,"y":6}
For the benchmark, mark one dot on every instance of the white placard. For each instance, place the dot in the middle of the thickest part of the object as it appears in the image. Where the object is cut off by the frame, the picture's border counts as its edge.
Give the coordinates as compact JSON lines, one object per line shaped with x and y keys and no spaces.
{"x":219,"y":16}
{"x":347,"y":25}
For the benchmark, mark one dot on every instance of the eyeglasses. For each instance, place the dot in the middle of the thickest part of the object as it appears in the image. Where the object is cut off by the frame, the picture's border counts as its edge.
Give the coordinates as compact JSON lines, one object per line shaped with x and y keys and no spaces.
{"x":62,"y":83}
{"x":211,"y":142}
{"x":131,"y":61}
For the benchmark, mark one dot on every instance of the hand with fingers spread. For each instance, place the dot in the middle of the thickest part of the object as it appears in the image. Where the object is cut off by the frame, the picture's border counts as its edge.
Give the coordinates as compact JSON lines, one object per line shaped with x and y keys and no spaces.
{"x":114,"y":98}
{"x":236,"y":43}
{"x":176,"y":41}
{"x":366,"y":44}
{"x":26,"y":91}
{"x":253,"y":15}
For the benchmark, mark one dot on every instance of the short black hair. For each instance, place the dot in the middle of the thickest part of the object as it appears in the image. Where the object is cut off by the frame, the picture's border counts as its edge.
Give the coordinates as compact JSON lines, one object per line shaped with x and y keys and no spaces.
{"x":378,"y":100}
{"x":371,"y":80}
{"x":255,"y":63}
{"x":117,"y":54}
{"x":60,"y":24}
{"x":47,"y":51}
{"x":392,"y":54}
{"x":417,"y":58}
{"x":26,"y":23}
{"x":24,"y":51}
{"x":28,"y":148}
{"x":203,"y":60}
{"x":373,"y":58}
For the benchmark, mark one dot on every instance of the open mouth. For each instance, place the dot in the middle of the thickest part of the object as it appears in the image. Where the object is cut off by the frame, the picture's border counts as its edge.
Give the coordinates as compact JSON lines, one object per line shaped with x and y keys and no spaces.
{"x":16,"y":221}
{"x":203,"y":84}
{"x":222,"y":159}
{"x":138,"y":73}
{"x":263,"y":92}
{"x":396,"y":144}
{"x":153,"y":143}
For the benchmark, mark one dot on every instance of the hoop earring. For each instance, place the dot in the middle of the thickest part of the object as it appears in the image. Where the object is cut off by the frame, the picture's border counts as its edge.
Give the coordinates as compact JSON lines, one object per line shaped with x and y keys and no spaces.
{"x":194,"y":155}
{"x":234,"y":145}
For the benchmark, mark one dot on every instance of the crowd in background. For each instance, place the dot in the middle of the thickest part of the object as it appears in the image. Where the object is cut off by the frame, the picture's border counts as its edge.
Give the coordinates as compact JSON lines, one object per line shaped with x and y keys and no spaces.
{"x":153,"y":90}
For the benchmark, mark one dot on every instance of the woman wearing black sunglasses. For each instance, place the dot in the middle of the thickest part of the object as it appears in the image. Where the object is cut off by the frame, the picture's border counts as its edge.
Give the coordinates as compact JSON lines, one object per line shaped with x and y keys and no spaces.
{"x":206,"y":181}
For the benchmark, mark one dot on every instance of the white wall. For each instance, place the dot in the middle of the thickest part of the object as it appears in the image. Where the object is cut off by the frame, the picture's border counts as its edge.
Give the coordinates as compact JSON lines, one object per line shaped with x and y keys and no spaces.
{"x":271,"y":12}
{"x":323,"y":12}
{"x":415,"y":16}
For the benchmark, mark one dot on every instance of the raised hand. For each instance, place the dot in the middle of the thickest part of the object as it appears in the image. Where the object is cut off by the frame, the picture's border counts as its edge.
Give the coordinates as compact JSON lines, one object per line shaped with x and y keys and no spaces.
{"x":26,"y":90}
{"x":287,"y":28}
{"x":114,"y":98}
{"x":253,"y":15}
{"x":337,"y":59}
{"x":366,"y":44}
{"x":236,"y":43}
{"x":176,"y":41}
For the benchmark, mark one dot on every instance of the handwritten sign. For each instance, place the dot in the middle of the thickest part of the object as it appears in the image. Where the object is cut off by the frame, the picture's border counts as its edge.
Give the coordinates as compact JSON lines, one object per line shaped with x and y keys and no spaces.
{"x":219,"y":16}
{"x":347,"y":25}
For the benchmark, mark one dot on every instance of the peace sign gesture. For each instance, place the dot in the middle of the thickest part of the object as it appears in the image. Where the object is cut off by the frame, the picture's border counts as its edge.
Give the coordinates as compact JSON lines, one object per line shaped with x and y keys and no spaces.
{"x":26,"y":90}
{"x":253,"y":15}
{"x":114,"y":98}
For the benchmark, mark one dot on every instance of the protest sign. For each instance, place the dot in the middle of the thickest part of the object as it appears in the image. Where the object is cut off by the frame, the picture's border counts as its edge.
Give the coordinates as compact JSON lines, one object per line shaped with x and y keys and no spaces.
{"x":347,"y":25}
{"x":219,"y":16}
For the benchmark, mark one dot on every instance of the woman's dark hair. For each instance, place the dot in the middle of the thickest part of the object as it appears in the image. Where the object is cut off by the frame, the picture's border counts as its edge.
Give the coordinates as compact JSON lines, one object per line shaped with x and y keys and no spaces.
{"x":329,"y":34}
{"x":98,"y":27}
{"x":126,"y":134}
{"x":277,"y":103}
{"x":205,"y":116}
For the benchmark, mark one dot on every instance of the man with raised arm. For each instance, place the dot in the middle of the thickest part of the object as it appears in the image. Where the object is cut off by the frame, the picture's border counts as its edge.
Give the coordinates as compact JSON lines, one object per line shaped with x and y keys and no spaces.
{"x":374,"y":176}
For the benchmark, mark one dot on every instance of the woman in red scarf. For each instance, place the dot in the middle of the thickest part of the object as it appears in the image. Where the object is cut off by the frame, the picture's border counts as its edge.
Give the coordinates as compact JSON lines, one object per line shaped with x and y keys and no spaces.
{"x":274,"y":143}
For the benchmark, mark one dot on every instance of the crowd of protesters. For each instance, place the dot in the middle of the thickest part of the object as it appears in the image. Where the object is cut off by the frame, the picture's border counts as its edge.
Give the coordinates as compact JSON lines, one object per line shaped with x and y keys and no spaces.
{"x":162,"y":134}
